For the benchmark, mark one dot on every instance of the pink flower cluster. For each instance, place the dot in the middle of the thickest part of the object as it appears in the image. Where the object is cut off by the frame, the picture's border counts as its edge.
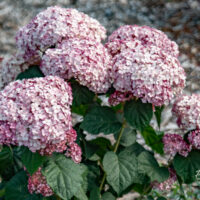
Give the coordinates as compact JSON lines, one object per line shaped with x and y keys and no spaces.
{"x":10,"y":67}
{"x":119,"y":97}
{"x":167,"y":185}
{"x":68,"y":43}
{"x":174,"y":143}
{"x":86,"y":60}
{"x":36,"y":113}
{"x":187,"y":110}
{"x":145,"y":63}
{"x":37,"y":184}
{"x":53,"y":25}
{"x":125,"y":36}
{"x":194,"y":138}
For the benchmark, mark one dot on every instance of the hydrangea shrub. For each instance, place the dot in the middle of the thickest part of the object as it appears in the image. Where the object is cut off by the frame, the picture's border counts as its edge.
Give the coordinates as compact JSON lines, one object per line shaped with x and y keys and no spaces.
{"x":62,"y":69}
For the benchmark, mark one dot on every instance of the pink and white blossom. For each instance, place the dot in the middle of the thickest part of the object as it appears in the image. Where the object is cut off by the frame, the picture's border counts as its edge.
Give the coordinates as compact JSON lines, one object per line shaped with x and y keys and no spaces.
{"x":145,"y":63}
{"x":53,"y":25}
{"x":194,"y":139}
{"x":36,"y":113}
{"x":85,"y":60}
{"x":174,"y":143}
{"x":37,"y":184}
{"x":10,"y":67}
{"x":125,"y":36}
{"x":187,"y":110}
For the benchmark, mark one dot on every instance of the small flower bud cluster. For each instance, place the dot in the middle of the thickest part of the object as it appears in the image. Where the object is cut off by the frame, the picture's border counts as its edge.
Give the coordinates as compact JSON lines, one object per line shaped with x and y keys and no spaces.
{"x":86,"y":60}
{"x":36,"y":113}
{"x":53,"y":25}
{"x":174,"y":143}
{"x":119,"y":97}
{"x":167,"y":185}
{"x":37,"y":184}
{"x":194,"y":139}
{"x":145,"y":62}
{"x":187,"y":110}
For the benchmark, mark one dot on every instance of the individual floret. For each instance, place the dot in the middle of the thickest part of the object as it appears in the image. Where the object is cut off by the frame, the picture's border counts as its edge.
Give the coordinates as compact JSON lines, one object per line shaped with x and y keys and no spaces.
{"x":53,"y":25}
{"x":85,"y":60}
{"x":187,"y":110}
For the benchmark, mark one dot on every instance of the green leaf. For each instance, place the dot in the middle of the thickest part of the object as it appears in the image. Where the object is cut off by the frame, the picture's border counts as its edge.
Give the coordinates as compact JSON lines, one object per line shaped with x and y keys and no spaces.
{"x":101,"y":145}
{"x":95,"y":194}
{"x":134,"y":149}
{"x":138,"y":114}
{"x":108,"y":196}
{"x":81,"y":94}
{"x":158,"y":114}
{"x":142,"y":188}
{"x":93,"y":176}
{"x":80,"y":110}
{"x":147,"y":164}
{"x":6,"y":158}
{"x":187,"y":167}
{"x":95,"y":149}
{"x":31,"y":72}
{"x":121,"y":170}
{"x":16,"y":188}
{"x":128,"y":137}
{"x":101,"y":120}
{"x":32,"y":161}
{"x":63,"y":176}
{"x":152,"y":139}
{"x":80,"y":195}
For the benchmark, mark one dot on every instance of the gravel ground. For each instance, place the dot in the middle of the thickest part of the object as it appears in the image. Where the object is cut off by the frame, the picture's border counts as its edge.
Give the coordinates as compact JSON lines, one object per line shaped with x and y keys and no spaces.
{"x":180,"y":20}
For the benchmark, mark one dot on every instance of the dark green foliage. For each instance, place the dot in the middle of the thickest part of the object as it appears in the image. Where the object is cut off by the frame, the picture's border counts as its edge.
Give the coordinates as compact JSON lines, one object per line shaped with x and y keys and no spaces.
{"x":101,"y":120}
{"x":138,"y":114}
{"x":31,"y":72}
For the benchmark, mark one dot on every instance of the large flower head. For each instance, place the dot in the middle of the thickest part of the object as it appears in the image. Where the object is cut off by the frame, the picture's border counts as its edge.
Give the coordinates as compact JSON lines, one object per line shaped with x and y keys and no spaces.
{"x":187,"y":110}
{"x":36,"y":113}
{"x":85,"y":60}
{"x":143,"y":66}
{"x":53,"y":25}
{"x":154,"y":77}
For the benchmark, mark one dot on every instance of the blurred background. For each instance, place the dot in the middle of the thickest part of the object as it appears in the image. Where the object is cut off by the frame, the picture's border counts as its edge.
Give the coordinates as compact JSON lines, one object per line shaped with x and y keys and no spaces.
{"x":179,"y":19}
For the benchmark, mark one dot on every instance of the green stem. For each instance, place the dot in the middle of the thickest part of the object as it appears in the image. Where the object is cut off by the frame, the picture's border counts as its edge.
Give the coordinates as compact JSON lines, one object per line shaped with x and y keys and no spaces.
{"x":102,"y":182}
{"x":119,"y":137}
{"x":115,"y":150}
